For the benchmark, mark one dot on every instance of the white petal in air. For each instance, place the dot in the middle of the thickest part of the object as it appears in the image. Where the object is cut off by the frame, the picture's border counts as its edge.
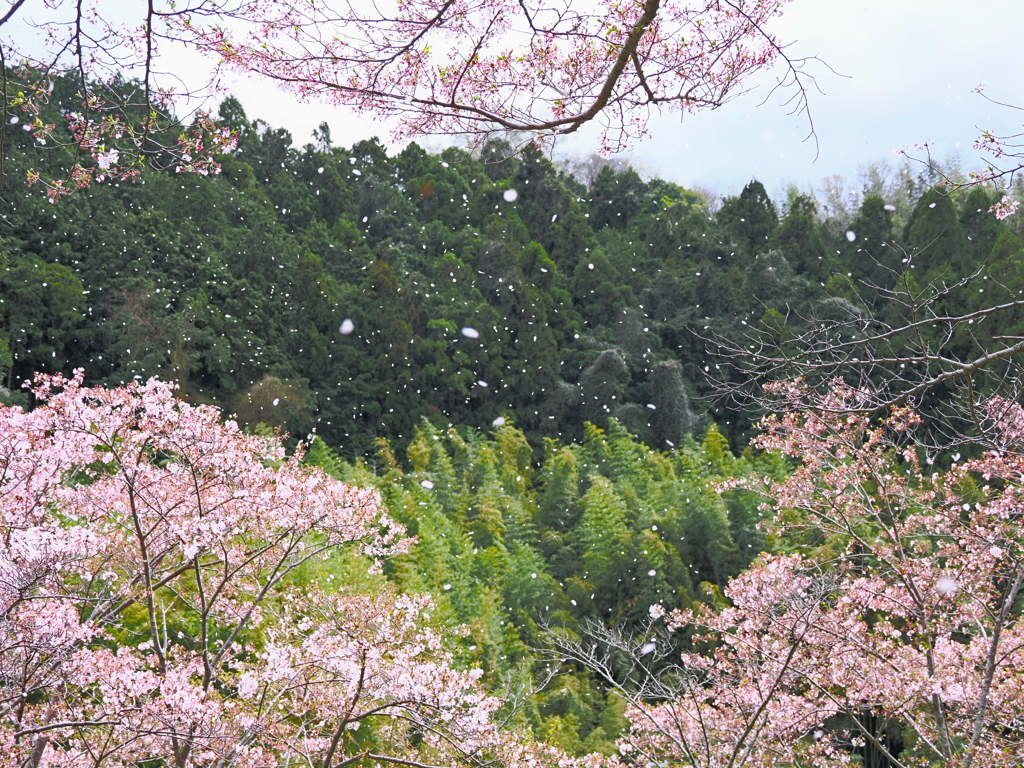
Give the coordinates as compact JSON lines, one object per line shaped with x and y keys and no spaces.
{"x":426,"y":484}
{"x":346,"y":327}
{"x":946,"y":586}
{"x":499,"y":422}
{"x":851,"y":236}
{"x":470,"y":333}
{"x":647,"y":648}
{"x":510,"y":195}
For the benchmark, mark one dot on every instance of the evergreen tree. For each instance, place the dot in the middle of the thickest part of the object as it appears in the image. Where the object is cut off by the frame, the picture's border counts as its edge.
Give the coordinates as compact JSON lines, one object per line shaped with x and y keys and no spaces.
{"x":801,"y":239}
{"x":979,"y":226}
{"x":934,"y":236}
{"x":870,"y":257}
{"x":750,"y":219}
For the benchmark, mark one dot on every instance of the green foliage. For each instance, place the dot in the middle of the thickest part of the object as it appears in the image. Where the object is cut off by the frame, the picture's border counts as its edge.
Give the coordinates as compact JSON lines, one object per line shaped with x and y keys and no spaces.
{"x":599,"y":531}
{"x":581,"y":302}
{"x":934,"y":232}
{"x":871,"y":256}
{"x":750,"y":218}
{"x":801,"y":239}
{"x":42,"y":315}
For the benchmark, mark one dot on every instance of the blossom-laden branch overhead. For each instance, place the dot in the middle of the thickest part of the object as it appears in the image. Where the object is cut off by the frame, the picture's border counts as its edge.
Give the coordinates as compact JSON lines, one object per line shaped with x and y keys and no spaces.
{"x":1005,"y":161}
{"x":474,"y":66}
{"x":438,"y":66}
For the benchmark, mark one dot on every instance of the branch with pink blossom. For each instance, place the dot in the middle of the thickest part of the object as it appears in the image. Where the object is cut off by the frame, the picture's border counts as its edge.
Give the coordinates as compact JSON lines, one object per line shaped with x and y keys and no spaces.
{"x":468,"y":67}
{"x":1003,"y":157}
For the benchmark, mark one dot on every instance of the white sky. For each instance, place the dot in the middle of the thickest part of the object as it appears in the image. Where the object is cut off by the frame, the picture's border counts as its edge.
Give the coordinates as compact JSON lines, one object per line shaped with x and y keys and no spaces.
{"x":911,"y":66}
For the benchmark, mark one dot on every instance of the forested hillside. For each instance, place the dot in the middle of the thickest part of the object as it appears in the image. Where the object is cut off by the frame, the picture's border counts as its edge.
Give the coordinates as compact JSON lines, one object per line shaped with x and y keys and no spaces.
{"x":356,"y":293}
{"x":515,"y":353}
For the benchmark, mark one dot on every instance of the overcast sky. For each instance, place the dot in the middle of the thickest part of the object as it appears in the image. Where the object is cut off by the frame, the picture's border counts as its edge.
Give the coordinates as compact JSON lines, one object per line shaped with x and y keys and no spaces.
{"x":909,"y":65}
{"x":910,"y":68}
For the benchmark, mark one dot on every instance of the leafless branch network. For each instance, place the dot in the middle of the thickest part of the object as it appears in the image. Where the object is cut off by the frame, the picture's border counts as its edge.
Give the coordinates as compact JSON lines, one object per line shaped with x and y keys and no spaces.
{"x":924,"y":347}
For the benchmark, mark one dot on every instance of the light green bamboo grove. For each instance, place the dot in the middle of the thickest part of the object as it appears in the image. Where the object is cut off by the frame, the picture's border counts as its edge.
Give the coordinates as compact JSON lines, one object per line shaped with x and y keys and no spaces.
{"x":597,"y":531}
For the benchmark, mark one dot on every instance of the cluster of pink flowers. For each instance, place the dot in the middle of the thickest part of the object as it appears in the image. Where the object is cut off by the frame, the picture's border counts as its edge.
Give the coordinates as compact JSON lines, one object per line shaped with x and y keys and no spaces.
{"x":900,"y":611}
{"x":1006,"y":207}
{"x":152,"y":607}
{"x":118,"y":149}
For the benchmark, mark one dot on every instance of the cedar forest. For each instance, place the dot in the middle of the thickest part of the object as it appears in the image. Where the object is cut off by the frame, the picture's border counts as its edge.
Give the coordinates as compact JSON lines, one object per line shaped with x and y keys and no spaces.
{"x":529,"y":529}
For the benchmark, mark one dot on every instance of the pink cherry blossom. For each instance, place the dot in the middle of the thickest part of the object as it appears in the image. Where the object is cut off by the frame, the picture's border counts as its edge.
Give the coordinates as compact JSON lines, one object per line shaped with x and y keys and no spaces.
{"x":900,"y":615}
{"x":106,"y":159}
{"x":1006,"y":207}
{"x":153,"y":610}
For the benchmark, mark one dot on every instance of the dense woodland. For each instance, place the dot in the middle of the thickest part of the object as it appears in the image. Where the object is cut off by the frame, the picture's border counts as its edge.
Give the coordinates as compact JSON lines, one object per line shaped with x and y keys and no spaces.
{"x":590,"y":294}
{"x":514,"y":351}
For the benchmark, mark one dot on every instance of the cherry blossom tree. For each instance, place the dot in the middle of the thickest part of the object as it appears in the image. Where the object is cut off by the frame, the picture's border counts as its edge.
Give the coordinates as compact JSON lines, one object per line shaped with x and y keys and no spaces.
{"x":440,"y":66}
{"x":892,"y":633}
{"x":166,"y":599}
